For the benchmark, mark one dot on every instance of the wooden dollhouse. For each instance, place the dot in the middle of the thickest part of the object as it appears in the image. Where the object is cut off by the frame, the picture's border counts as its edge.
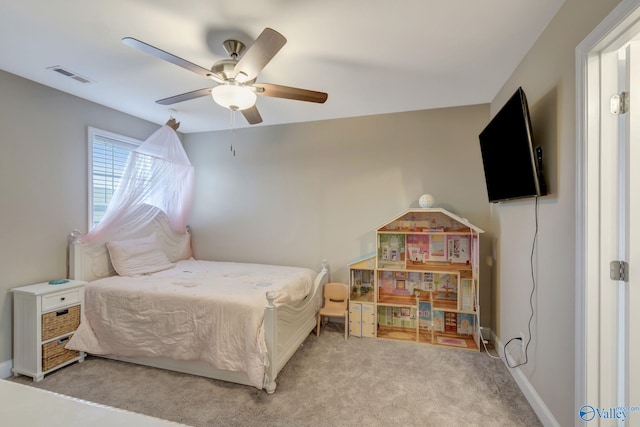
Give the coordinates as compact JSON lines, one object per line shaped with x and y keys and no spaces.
{"x":422,"y":284}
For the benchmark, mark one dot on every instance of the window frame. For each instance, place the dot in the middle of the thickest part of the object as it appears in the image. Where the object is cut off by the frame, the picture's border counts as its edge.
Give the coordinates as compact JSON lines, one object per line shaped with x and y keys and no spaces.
{"x":117,"y":140}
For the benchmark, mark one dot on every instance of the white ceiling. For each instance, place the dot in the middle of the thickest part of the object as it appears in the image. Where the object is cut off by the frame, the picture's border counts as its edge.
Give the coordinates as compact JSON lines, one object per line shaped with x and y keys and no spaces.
{"x":370,"y":56}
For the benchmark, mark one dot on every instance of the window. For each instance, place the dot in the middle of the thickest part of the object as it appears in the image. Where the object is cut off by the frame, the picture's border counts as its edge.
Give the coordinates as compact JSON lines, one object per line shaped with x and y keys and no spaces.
{"x":108,"y":153}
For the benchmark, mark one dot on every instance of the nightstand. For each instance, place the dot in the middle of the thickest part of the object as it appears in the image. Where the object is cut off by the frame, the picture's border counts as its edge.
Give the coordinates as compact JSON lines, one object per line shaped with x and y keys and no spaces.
{"x":45,"y":317}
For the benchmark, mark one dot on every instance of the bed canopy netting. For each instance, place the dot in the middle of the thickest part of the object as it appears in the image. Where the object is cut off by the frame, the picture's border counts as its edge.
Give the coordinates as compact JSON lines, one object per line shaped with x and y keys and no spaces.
{"x":158,"y":176}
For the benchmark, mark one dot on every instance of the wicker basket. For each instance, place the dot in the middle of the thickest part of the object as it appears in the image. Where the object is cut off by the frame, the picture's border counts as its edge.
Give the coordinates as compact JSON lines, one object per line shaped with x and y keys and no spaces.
{"x":54,"y":353}
{"x":60,"y":322}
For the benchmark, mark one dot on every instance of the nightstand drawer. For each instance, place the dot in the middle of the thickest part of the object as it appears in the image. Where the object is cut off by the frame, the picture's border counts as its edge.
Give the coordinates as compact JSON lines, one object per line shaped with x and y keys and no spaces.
{"x":60,"y":299}
{"x":60,"y":322}
{"x":54,"y":353}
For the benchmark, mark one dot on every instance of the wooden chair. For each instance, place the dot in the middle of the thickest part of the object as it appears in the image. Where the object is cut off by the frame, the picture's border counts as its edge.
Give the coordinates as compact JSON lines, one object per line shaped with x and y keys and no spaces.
{"x":336,"y":304}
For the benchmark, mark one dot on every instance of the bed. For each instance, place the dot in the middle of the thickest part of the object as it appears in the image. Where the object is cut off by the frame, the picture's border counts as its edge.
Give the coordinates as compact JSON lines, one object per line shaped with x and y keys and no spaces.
{"x":237,"y":322}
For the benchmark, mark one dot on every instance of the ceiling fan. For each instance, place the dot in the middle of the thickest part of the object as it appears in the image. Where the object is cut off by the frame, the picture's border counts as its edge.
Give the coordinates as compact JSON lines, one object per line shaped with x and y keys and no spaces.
{"x":236,"y":77}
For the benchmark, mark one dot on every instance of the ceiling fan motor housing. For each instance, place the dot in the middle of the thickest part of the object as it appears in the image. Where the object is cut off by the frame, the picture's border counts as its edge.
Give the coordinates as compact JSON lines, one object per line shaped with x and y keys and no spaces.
{"x":225,"y":68}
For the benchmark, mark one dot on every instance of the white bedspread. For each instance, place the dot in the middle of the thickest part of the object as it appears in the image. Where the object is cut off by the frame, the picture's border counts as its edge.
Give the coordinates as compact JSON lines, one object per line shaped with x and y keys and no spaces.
{"x":199,"y":310}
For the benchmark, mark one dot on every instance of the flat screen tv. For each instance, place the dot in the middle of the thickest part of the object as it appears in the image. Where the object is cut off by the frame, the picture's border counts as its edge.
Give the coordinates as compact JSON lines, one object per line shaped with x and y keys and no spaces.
{"x":512,"y":166}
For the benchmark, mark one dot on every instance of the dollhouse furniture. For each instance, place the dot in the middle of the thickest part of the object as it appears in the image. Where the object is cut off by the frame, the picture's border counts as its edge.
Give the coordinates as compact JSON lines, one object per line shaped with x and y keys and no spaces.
{"x":422,"y":283}
{"x":336,"y":304}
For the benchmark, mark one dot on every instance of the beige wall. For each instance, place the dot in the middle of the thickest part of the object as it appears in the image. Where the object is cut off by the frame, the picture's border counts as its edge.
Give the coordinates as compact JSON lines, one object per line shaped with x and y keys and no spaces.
{"x":296,"y":194}
{"x":43,"y":182}
{"x":547,"y":74}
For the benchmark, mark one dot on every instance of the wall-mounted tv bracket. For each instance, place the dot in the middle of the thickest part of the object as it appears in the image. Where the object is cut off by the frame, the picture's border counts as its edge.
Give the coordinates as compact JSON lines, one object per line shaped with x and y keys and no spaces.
{"x":541,"y":180}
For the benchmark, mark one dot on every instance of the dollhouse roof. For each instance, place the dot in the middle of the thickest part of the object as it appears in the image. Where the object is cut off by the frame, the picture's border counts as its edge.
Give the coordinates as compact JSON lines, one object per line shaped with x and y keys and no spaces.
{"x":439,"y":217}
{"x":363,"y":260}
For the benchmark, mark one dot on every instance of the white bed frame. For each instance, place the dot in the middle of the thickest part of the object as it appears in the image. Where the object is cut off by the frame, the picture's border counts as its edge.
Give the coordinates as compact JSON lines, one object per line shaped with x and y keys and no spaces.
{"x":285,"y":326}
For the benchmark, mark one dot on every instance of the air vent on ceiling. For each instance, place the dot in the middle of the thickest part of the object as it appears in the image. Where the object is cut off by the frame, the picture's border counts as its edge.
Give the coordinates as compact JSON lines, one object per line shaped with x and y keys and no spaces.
{"x":68,"y":73}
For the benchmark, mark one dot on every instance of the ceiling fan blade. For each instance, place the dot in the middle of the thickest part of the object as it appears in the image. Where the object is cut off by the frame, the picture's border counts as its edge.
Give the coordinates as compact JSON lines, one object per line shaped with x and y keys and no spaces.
{"x":268,"y":43}
{"x":252,"y":115}
{"x":166,"y":56}
{"x":184,"y":97}
{"x":278,"y":91}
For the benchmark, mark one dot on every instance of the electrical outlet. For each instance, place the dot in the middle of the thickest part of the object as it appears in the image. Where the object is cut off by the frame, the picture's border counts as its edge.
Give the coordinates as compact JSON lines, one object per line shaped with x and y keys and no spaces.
{"x":522,"y":341}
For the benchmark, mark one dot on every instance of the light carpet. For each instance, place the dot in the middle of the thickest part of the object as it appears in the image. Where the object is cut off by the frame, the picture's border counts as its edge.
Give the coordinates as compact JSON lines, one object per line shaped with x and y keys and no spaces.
{"x":330,"y":381}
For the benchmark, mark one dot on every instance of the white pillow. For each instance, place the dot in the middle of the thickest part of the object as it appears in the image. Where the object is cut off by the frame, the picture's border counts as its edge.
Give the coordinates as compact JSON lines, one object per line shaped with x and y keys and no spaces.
{"x":138,"y":256}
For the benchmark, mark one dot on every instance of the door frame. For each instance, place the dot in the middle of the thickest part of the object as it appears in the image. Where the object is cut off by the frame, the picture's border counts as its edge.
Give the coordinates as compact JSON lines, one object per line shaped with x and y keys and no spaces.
{"x":596,"y":361}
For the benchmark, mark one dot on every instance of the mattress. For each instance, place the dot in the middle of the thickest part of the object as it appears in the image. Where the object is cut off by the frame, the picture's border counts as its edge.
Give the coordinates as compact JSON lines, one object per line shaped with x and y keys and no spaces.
{"x":198,"y":310}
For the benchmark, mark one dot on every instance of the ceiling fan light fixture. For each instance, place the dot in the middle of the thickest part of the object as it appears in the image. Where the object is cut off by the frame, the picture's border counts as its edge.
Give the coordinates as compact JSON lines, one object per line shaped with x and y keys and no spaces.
{"x":234,"y":97}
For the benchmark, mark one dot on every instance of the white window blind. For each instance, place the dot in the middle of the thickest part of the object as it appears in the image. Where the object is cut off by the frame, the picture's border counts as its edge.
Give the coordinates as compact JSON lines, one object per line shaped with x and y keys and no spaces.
{"x":108,"y":153}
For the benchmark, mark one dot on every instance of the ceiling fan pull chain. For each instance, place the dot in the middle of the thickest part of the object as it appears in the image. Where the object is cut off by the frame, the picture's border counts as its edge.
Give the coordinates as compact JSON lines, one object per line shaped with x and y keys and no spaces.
{"x":233,"y":131}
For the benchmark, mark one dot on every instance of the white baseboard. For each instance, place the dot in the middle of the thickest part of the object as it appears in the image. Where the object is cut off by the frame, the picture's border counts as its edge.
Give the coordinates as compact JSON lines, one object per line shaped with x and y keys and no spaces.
{"x":536,"y":402}
{"x":5,"y":369}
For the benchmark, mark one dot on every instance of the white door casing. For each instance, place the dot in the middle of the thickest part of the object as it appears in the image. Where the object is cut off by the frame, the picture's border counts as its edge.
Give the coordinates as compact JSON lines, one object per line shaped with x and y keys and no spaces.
{"x":632,"y":243}
{"x":607,"y":311}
